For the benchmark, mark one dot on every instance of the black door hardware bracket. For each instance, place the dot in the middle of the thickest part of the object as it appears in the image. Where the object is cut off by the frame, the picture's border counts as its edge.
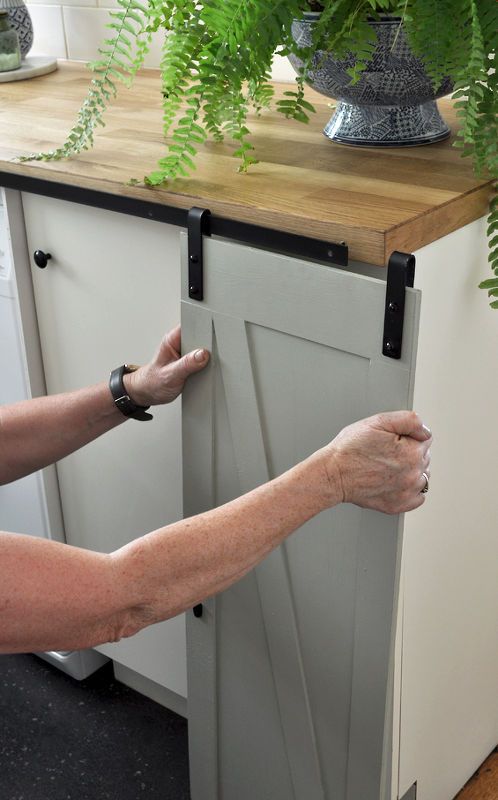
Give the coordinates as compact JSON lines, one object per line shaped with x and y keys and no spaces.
{"x":288,"y":244}
{"x":400,"y":275}
{"x":197,"y":227}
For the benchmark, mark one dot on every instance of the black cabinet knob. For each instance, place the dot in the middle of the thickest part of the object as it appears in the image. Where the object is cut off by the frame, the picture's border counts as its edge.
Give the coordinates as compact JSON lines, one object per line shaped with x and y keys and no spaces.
{"x":41,"y":258}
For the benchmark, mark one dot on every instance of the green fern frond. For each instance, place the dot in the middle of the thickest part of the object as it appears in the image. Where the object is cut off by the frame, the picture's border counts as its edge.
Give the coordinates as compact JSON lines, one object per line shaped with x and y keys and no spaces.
{"x":294,"y":106}
{"x":261,"y":91}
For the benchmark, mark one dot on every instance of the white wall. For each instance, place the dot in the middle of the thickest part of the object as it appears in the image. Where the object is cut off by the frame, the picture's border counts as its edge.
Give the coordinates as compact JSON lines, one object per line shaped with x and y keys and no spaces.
{"x":74,"y":29}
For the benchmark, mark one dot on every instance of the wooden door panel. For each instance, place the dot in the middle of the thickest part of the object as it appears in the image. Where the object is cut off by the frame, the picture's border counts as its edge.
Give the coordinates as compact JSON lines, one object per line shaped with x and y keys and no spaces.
{"x":299,"y":651}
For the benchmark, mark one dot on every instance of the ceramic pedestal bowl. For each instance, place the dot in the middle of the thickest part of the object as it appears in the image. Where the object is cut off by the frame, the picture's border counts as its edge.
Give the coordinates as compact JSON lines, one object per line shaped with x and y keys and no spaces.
{"x":394,"y":102}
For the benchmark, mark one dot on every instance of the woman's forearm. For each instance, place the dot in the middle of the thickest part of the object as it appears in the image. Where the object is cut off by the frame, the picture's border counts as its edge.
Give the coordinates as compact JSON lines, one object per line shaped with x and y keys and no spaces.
{"x":173,"y":568}
{"x":61,"y":597}
{"x":39,"y":432}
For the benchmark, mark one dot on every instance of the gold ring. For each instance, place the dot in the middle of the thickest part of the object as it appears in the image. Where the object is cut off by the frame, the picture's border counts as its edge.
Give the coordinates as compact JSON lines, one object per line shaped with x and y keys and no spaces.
{"x":426,"y":487}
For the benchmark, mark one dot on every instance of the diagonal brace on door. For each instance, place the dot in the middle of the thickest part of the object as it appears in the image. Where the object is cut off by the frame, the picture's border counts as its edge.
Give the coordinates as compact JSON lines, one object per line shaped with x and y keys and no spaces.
{"x":411,"y":794}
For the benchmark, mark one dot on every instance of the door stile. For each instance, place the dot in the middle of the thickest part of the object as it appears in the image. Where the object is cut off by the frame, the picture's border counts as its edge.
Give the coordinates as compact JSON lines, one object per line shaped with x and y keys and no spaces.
{"x":379,"y":567}
{"x":198,"y":496}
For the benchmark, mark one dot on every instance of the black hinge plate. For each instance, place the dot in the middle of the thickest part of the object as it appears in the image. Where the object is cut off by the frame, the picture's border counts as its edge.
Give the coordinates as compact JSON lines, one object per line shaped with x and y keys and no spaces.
{"x":197,"y":227}
{"x":400,"y":274}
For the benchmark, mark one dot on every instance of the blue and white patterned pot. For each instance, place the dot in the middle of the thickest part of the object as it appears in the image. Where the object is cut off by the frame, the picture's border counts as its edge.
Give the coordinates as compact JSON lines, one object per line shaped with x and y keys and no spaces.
{"x":393,"y":103}
{"x":20,"y":21}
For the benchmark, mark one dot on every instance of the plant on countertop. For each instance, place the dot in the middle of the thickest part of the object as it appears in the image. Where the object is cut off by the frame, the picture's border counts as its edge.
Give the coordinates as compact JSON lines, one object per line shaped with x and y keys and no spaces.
{"x":216,"y":64}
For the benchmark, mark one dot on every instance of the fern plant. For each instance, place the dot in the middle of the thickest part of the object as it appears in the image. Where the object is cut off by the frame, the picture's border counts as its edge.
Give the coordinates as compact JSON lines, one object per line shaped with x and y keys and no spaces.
{"x":216,"y":64}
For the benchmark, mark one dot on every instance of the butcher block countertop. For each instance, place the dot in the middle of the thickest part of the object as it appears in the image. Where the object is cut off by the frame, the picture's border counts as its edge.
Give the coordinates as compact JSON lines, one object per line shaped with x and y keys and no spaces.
{"x":376,"y":200}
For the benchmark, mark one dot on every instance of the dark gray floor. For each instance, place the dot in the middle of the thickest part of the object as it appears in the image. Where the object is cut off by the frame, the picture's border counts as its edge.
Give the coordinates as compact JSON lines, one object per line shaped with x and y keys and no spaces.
{"x":62,"y":739}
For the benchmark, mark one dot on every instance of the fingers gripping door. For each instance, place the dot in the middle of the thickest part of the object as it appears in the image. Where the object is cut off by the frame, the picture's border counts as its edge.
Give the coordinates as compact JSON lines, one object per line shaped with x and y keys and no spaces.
{"x":290,"y":670}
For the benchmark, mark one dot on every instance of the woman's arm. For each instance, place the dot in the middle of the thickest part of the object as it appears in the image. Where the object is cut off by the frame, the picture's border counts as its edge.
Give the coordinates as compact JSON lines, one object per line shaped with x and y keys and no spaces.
{"x":35,"y":433}
{"x":38,"y":432}
{"x":53,"y":596}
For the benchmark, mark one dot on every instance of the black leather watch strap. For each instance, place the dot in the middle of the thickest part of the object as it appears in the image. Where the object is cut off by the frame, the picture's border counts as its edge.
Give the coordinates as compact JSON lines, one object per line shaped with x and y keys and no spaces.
{"x":122,"y":400}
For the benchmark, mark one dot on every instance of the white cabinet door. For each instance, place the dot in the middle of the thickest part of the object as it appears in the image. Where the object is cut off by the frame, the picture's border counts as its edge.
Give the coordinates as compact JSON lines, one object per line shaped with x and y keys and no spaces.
{"x":290,"y":670}
{"x":108,"y":294}
{"x":30,"y":505}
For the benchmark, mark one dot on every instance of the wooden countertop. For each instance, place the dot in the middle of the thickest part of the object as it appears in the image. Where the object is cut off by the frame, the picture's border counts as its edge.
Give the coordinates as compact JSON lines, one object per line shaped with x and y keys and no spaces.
{"x":375,"y":200}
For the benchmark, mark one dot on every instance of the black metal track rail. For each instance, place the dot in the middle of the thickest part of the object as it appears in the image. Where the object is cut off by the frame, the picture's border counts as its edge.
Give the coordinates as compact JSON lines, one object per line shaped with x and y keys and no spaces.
{"x":254,"y":235}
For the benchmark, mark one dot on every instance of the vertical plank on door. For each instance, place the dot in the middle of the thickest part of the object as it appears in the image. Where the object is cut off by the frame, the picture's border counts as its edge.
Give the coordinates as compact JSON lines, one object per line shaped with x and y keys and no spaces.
{"x":198,"y":496}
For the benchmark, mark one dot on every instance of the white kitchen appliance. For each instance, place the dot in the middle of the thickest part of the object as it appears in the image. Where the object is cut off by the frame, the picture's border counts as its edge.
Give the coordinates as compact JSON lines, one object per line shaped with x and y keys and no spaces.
{"x":30,"y":505}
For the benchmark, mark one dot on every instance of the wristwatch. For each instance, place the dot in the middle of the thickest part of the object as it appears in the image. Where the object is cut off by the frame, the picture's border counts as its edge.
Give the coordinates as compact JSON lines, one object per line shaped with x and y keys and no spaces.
{"x":123,"y":400}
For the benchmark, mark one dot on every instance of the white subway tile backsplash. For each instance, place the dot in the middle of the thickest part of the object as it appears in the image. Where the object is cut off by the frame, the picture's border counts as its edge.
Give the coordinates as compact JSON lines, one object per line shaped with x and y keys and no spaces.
{"x":79,"y":3}
{"x":86,"y":30}
{"x":75,"y":29}
{"x":108,"y":4}
{"x":48,"y":31}
{"x":65,"y":2}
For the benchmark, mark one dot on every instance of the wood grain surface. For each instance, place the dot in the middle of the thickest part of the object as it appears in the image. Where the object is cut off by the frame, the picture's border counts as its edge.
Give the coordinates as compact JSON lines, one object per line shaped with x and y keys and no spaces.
{"x":375,"y":199}
{"x":484,"y":784}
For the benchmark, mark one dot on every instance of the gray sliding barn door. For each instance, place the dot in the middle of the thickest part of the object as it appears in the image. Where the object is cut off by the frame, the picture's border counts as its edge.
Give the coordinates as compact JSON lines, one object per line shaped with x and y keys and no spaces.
{"x":290,"y":669}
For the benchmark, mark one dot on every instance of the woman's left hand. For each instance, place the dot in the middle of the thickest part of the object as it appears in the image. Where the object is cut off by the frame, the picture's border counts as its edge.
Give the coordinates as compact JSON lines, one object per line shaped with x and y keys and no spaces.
{"x":162,"y":379}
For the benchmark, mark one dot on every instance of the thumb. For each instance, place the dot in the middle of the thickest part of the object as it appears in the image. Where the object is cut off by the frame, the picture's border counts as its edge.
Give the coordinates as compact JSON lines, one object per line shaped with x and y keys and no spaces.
{"x":405,"y":423}
{"x":190,"y":363}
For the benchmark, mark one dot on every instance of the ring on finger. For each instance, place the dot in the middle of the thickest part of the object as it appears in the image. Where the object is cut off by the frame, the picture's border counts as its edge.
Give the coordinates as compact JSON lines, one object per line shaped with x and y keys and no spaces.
{"x":426,"y":487}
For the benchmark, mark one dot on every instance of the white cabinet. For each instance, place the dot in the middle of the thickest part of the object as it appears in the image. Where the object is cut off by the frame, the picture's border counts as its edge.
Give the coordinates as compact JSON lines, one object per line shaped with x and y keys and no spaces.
{"x":107,"y":296}
{"x":448,"y":633}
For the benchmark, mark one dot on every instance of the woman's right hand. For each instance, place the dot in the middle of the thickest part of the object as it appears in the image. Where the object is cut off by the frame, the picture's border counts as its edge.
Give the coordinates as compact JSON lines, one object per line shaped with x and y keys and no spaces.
{"x":378,"y":462}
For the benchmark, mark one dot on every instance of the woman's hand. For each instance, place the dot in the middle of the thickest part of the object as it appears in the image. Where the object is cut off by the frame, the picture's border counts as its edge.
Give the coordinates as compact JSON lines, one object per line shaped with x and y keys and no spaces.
{"x":378,"y":462}
{"x":163,"y":378}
